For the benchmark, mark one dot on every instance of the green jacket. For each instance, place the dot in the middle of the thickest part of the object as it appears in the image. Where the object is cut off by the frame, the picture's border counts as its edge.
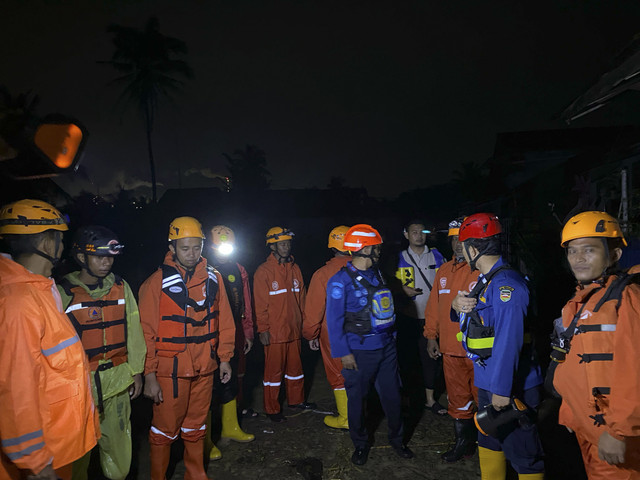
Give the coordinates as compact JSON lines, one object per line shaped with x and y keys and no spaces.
{"x":119,"y":378}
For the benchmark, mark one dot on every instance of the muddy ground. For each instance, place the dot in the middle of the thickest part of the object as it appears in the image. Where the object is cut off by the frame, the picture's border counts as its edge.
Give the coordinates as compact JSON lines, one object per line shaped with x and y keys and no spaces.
{"x":303,"y":447}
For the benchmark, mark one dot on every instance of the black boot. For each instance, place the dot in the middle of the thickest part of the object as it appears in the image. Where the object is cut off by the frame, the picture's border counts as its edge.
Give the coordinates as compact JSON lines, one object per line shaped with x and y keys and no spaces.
{"x":465,"y":446}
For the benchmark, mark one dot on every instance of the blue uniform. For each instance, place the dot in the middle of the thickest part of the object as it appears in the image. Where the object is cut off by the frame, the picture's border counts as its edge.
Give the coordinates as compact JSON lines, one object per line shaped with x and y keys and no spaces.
{"x":375,"y":356}
{"x":508,"y":372}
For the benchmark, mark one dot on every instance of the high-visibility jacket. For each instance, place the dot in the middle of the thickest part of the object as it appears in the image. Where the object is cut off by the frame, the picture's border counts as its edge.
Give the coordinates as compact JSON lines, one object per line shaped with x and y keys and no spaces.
{"x":184,"y":321}
{"x":314,"y":312}
{"x":47,"y":408}
{"x":279,"y":296}
{"x":440,"y":320}
{"x":115,"y":375}
{"x":599,"y":381}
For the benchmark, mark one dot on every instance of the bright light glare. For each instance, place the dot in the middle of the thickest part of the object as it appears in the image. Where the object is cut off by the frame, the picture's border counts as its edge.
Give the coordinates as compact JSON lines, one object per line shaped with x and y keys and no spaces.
{"x":225,"y":249}
{"x":426,"y":231}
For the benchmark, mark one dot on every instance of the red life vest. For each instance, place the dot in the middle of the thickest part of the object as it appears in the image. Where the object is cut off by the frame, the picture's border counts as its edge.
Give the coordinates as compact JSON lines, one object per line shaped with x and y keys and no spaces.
{"x":101,"y":324}
{"x":178,"y":310}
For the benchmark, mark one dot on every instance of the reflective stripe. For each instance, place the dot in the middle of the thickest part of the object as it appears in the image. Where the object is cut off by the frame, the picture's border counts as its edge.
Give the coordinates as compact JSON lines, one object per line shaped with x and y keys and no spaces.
{"x":213,"y":277}
{"x":61,"y":346}
{"x":295,"y":289}
{"x":299,"y":377}
{"x":335,"y":389}
{"x":609,"y":327}
{"x":172,"y":277}
{"x":446,"y":290}
{"x":10,"y":442}
{"x":271,"y":384}
{"x":351,"y":244}
{"x":78,"y":306}
{"x":478,"y":343}
{"x":187,"y":430}
{"x":158,"y":432}
{"x":168,"y":282}
{"x":24,"y":452}
{"x":466,"y":407}
{"x":278,"y":292}
{"x":363,"y":234}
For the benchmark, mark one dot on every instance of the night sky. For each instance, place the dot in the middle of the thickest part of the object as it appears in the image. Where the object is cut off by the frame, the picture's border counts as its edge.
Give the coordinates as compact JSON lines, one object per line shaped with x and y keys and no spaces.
{"x":390,"y":96}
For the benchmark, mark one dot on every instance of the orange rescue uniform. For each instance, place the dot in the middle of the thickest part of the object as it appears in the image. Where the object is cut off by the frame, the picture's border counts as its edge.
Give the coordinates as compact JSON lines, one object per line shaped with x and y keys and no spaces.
{"x":184,"y":370}
{"x":279,"y":296}
{"x":442,"y":323}
{"x":599,"y":381}
{"x":315,"y":324}
{"x":48,"y":415}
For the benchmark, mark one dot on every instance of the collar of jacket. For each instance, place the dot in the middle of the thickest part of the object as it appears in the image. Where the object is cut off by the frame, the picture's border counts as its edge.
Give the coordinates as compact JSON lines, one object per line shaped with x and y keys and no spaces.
{"x":199,"y":274}
{"x":271,"y":259}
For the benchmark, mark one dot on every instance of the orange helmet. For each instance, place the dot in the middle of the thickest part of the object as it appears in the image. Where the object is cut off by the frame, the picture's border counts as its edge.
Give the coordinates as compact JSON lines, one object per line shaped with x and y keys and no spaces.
{"x":360,"y":236}
{"x":223,"y":239}
{"x":454,"y":228}
{"x":278,"y":234}
{"x":26,"y":217}
{"x":336,"y":238}
{"x":185,"y":227}
{"x":591,"y":224}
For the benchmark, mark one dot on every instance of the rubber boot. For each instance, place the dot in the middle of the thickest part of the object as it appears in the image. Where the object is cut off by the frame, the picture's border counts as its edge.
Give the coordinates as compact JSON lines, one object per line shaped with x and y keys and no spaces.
{"x":194,"y":460}
{"x":160,"y":455}
{"x":493,"y":464}
{"x":531,"y":476}
{"x":230,"y":427}
{"x":341,"y":420}
{"x":465,"y":445}
{"x":209,"y":446}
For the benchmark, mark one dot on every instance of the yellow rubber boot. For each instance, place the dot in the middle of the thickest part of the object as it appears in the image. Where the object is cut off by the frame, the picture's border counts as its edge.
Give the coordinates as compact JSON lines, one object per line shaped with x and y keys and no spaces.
{"x":531,"y":476}
{"x":230,"y":427}
{"x":493,"y":465}
{"x":341,"y":420}
{"x":209,"y":446}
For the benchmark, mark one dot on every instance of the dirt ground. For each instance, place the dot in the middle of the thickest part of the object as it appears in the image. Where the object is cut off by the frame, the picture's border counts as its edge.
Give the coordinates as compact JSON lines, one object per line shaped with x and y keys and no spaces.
{"x":303,"y":447}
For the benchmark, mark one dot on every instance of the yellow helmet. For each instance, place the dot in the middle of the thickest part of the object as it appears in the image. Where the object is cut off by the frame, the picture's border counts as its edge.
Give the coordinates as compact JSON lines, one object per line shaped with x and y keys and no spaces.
{"x":185,"y":227}
{"x":336,"y":238}
{"x":278,"y":234}
{"x":26,"y":217}
{"x":591,"y":224}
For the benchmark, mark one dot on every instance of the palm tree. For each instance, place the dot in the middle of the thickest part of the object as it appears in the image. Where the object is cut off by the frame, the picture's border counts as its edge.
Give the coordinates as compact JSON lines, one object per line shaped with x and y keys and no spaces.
{"x":248,"y":169}
{"x":147,"y":60}
{"x":16,"y":113}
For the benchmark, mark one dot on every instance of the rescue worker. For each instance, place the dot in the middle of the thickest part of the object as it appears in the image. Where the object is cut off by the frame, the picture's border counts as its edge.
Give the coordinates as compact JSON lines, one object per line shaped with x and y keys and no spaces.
{"x":236,"y":283}
{"x":48,"y":418}
{"x":104,"y":312}
{"x":360,"y":319}
{"x":597,"y":362}
{"x":417,"y":267}
{"x":492,"y":325}
{"x":186,"y":320}
{"x":279,"y":295}
{"x":441,"y":329}
{"x":315,"y":326}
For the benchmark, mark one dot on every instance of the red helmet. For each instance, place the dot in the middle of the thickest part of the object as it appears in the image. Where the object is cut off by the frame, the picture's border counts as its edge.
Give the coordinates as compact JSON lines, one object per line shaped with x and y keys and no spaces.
{"x":479,"y":225}
{"x":360,"y":236}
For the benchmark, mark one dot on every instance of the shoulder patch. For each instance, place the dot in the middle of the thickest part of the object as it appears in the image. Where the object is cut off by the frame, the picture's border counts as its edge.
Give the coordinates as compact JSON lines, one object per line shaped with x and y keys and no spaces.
{"x":336,"y":290}
{"x":505,"y":293}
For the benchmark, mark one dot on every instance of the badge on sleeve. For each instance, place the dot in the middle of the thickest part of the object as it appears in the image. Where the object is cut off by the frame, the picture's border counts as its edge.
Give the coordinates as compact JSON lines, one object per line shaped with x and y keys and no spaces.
{"x":337,"y":291}
{"x":505,"y":293}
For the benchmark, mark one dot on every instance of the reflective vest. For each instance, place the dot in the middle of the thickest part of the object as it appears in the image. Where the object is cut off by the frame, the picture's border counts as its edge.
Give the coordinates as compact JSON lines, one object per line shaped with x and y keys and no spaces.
{"x":177,"y":310}
{"x":377,"y":315}
{"x":101,"y":324}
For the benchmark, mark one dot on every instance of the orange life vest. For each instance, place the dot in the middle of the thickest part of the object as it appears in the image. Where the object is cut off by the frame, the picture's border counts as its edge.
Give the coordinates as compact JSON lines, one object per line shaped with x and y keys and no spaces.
{"x":101,"y":324}
{"x":178,"y":310}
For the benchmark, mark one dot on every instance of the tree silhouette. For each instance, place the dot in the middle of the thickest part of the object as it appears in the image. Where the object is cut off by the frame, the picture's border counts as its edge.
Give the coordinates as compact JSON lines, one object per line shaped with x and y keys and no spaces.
{"x":471,"y":180}
{"x":147,"y":60}
{"x":16,"y":113}
{"x":248,"y":169}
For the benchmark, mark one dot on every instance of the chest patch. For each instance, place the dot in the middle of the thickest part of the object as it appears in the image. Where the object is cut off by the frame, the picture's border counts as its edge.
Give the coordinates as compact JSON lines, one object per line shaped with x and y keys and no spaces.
{"x":472,"y":285}
{"x":296,"y":284}
{"x":175,"y":289}
{"x":505,"y":293}
{"x":231,"y":278}
{"x":443,"y":282}
{"x":274,"y":285}
{"x":95,"y":313}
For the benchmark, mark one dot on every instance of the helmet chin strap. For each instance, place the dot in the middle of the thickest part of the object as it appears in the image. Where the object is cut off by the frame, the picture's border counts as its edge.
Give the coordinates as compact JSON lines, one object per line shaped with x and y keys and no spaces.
{"x":472,"y":261}
{"x":54,"y":260}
